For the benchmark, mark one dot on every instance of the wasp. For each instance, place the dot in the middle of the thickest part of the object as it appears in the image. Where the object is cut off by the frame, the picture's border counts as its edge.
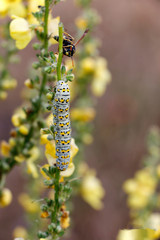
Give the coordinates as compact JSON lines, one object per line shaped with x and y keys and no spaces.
{"x":69,"y":47}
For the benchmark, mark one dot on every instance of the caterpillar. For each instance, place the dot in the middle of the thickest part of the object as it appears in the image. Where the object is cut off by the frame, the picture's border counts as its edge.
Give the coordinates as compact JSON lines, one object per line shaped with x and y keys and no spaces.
{"x":61,"y":121}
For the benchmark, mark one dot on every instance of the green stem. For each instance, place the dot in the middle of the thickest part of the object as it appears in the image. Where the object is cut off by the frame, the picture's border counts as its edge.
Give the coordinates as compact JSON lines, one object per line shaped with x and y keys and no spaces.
{"x":56,"y":196}
{"x":60,"y":51}
{"x":44,"y":80}
{"x":2,"y":182}
{"x":46,"y":26}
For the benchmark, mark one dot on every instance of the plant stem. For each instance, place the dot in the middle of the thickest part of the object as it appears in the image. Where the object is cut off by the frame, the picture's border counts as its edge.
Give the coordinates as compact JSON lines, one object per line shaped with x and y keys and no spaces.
{"x":46,"y":26}
{"x":45,"y":44}
{"x":60,"y":51}
{"x":2,"y":182}
{"x":56,"y":196}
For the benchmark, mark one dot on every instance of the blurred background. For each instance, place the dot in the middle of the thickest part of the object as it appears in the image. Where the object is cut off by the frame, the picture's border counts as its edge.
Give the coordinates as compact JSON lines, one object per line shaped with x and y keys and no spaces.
{"x":130,"y":34}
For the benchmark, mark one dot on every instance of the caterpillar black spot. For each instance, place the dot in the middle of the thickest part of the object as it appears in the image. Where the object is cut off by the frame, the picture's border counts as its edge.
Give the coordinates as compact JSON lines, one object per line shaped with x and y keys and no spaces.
{"x":62,"y":128}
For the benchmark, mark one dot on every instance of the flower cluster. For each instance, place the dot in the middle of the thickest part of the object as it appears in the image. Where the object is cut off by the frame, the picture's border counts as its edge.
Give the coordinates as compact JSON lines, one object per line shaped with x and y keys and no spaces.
{"x":143,"y":194}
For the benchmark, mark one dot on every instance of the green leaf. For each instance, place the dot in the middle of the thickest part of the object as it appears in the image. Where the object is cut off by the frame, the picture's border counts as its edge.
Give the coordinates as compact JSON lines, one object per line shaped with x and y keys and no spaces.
{"x":70,"y":71}
{"x":63,"y":69}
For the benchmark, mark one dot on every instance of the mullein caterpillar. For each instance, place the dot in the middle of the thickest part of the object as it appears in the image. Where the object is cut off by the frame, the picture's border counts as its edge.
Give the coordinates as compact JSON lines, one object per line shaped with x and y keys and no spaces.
{"x":62,"y":129}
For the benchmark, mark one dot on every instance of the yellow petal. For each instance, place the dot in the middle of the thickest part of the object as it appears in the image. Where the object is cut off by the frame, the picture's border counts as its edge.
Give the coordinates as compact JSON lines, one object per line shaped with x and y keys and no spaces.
{"x":44,"y":139}
{"x":3,"y":8}
{"x":69,"y":171}
{"x":31,"y":169}
{"x":28,"y":204}
{"x":20,"y":232}
{"x":19,"y":30}
{"x":51,"y":149}
{"x":74,"y":148}
{"x":53,"y":29}
{"x":5,"y":148}
{"x":20,"y":158}
{"x":17,"y":9}
{"x":5,"y":198}
{"x":136,"y":234}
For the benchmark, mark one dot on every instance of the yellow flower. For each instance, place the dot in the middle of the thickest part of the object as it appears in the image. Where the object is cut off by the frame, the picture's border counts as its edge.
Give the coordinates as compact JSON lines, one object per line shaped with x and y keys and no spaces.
{"x":140,"y":188}
{"x":32,"y":169}
{"x":65,"y":220}
{"x":15,"y":120}
{"x":17,"y":9}
{"x":28,"y":83}
{"x":53,"y":29}
{"x":87,"y":138}
{"x":12,"y":7}
{"x":12,"y":142}
{"x":9,"y":84}
{"x":157,"y":234}
{"x":34,"y":155}
{"x":88,"y":65}
{"x":3,"y":95}
{"x":50,"y":151}
{"x":3,"y":8}
{"x":5,"y":148}
{"x":69,"y":171}
{"x":74,"y":148}
{"x":136,"y":234}
{"x":18,"y":117}
{"x":32,"y":8}
{"x":20,"y":158}
{"x":91,"y":189}
{"x":137,"y":201}
{"x":90,"y":48}
{"x":20,"y":31}
{"x":23,"y":129}
{"x":28,"y":204}
{"x":43,"y":139}
{"x":49,"y":120}
{"x":81,"y":23}
{"x":5,"y":197}
{"x":44,"y":214}
{"x":130,"y":186}
{"x":83,"y":114}
{"x":20,"y":232}
{"x":102,"y":78}
{"x":153,"y":222}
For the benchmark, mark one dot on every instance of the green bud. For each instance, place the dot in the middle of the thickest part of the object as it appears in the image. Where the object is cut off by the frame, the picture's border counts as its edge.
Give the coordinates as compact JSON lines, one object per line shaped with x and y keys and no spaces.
{"x":44,"y":131}
{"x":37,"y":46}
{"x":49,"y":96}
{"x":49,"y":202}
{"x":42,"y":234}
{"x":58,"y":229}
{"x":36,"y":65}
{"x":50,"y":137}
{"x":70,"y":77}
{"x":52,"y":128}
{"x":44,"y":207}
{"x":50,"y":228}
{"x":63,"y":69}
{"x":49,"y":182}
{"x":48,"y":69}
{"x":49,"y":108}
{"x":52,"y":169}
